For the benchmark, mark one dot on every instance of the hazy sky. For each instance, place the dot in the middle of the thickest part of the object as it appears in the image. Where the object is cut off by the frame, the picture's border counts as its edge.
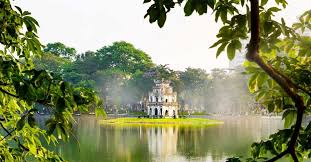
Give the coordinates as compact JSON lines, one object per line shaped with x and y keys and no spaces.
{"x":92,"y":24}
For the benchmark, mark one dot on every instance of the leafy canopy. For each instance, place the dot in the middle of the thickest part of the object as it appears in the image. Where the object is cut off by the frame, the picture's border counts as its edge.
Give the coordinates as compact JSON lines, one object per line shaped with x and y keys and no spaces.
{"x":60,"y":49}
{"x":124,"y":56}
{"x":22,"y":86}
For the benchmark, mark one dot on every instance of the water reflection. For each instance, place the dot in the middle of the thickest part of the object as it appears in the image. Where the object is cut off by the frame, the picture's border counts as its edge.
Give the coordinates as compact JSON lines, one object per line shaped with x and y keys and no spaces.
{"x":135,"y":144}
{"x":162,"y":141}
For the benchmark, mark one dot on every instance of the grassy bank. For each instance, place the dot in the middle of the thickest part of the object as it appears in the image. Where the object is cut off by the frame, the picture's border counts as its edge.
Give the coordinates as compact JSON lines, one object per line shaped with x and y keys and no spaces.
{"x":161,"y":122}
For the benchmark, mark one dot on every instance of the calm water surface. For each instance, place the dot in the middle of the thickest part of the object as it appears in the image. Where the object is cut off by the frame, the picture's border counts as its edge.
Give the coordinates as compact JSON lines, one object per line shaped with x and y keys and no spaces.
{"x":98,"y":143}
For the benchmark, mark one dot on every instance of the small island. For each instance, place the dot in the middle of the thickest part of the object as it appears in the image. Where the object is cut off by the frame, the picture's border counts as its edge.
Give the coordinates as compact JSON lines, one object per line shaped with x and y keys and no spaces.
{"x":196,"y":122}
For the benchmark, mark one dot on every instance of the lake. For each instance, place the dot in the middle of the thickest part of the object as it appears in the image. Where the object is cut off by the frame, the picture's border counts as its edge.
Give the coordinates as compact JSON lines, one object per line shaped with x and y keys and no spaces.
{"x":98,"y":143}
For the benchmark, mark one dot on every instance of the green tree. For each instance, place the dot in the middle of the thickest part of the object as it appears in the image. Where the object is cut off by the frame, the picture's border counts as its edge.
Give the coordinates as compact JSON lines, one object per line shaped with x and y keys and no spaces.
{"x":60,"y":49}
{"x":86,"y":63}
{"x":22,"y":86}
{"x":78,"y":71}
{"x":194,"y":84}
{"x":124,"y":56}
{"x":116,"y":72}
{"x":163,"y":72}
{"x":194,"y":78}
{"x":50,"y":62}
{"x":280,"y":57}
{"x":82,"y":71}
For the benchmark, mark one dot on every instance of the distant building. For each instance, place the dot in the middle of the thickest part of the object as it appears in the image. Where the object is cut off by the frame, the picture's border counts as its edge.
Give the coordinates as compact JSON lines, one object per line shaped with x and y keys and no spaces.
{"x":162,"y":100}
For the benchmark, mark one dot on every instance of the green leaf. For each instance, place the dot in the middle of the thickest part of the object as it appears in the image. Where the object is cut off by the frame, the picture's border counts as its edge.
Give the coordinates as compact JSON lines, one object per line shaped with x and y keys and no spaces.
{"x":146,"y":1}
{"x":153,"y":14}
{"x":273,"y":9}
{"x":223,"y":16}
{"x":162,"y":19}
{"x":32,"y":149}
{"x":211,"y":3}
{"x":201,"y":8}
{"x":268,"y":26}
{"x":31,"y":120}
{"x":218,"y":42}
{"x":31,"y":20}
{"x":252,"y":82}
{"x":290,"y":117}
{"x":261,"y":78}
{"x":19,"y":9}
{"x":263,"y":2}
{"x":25,"y":13}
{"x":217,"y":15}
{"x":260,"y":95}
{"x":220,"y":49}
{"x":63,"y":131}
{"x":21,"y":123}
{"x":189,"y":8}
{"x":231,"y":51}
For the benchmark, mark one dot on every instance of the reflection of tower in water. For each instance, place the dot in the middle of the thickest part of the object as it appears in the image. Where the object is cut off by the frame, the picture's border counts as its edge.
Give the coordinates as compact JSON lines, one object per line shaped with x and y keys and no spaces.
{"x":162,"y":141}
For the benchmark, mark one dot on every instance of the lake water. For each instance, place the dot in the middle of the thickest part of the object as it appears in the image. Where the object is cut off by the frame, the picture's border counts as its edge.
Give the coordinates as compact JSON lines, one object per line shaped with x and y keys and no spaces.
{"x":98,"y":143}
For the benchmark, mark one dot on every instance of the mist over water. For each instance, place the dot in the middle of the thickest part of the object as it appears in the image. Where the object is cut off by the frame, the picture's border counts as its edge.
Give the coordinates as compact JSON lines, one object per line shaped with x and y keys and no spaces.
{"x":229,"y":94}
{"x":222,"y":91}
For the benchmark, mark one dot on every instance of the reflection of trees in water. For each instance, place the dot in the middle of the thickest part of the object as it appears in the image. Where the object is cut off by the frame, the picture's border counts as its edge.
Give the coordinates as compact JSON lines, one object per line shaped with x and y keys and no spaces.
{"x":123,"y":144}
{"x":219,"y":142}
{"x":105,"y":144}
{"x":131,"y":144}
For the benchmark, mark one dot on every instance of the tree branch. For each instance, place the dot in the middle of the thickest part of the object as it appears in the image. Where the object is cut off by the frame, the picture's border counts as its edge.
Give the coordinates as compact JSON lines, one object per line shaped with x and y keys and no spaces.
{"x":294,"y":156}
{"x":279,"y":156}
{"x":9,"y":133}
{"x":284,"y":82}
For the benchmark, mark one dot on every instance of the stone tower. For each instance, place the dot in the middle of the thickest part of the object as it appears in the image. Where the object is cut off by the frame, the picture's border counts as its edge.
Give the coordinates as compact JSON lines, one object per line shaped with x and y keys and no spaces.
{"x":162,"y":101}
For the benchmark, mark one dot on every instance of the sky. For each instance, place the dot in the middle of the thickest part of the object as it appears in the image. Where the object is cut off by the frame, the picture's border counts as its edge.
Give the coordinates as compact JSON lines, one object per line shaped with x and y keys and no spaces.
{"x":91,"y":24}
